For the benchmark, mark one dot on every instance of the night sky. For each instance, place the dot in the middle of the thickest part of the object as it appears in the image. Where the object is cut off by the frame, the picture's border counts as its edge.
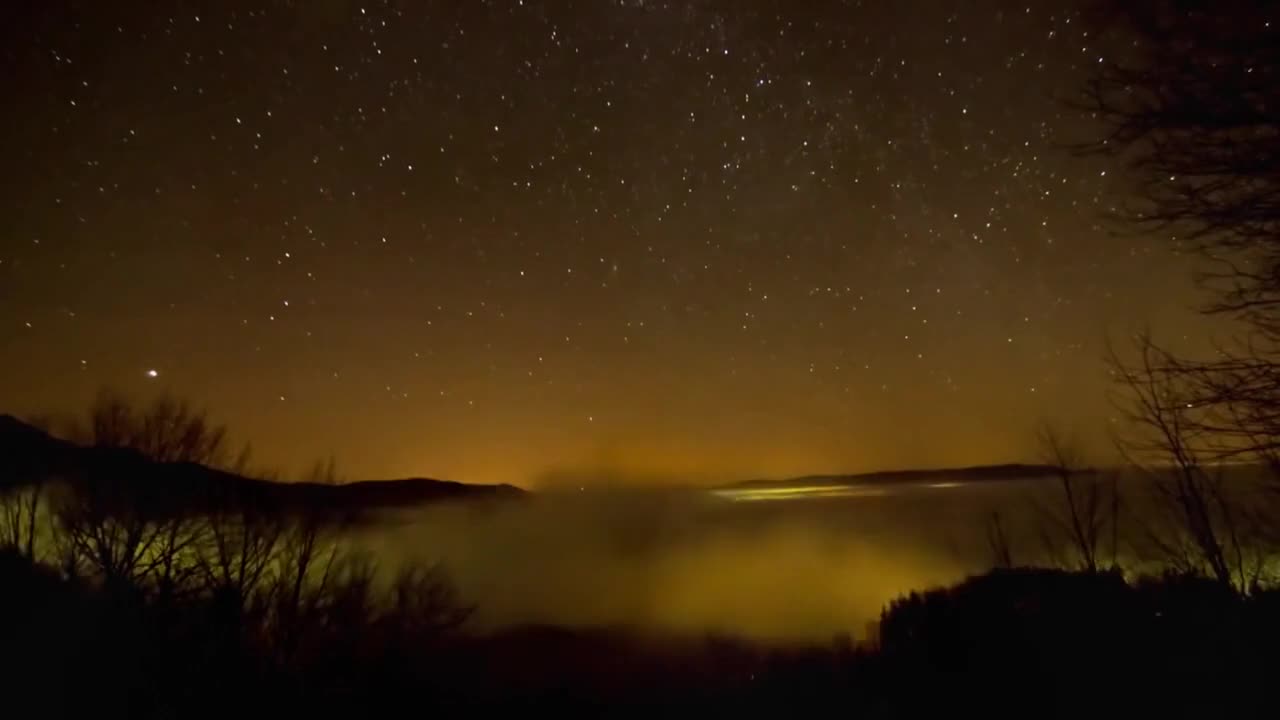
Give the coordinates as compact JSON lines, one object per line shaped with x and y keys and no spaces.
{"x":493,"y":241}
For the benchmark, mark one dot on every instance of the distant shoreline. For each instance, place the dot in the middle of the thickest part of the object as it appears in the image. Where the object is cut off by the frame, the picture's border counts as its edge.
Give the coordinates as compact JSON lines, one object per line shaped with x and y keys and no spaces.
{"x":971,"y":474}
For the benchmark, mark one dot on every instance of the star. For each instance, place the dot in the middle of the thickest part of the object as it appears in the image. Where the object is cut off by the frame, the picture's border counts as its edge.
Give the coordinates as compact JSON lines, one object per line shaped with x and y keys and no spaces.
{"x":676,"y":210}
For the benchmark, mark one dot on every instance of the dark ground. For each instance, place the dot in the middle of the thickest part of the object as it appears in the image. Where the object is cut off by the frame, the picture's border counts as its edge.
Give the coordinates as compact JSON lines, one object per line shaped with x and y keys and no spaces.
{"x":1025,"y":642}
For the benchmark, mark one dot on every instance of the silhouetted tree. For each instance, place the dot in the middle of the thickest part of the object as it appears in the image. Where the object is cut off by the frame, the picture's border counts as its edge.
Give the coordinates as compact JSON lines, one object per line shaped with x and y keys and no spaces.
{"x":998,"y":542}
{"x":1190,"y":102}
{"x":1209,"y":526}
{"x":242,"y":547}
{"x":119,"y":522}
{"x":424,"y":602}
{"x":107,"y":529}
{"x":19,"y":515}
{"x":1088,"y":510}
{"x":323,"y":472}
{"x":167,"y":430}
{"x":309,"y":561}
{"x":1189,"y":99}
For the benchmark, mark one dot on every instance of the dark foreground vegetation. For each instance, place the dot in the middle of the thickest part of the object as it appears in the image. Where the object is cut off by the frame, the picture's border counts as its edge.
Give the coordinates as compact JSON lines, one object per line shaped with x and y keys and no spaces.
{"x":1021,"y":642}
{"x":130,"y":591}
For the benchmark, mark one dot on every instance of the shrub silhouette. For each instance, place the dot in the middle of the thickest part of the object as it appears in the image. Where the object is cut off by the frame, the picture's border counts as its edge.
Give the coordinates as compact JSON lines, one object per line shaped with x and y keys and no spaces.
{"x":1063,"y":643}
{"x":152,"y":604}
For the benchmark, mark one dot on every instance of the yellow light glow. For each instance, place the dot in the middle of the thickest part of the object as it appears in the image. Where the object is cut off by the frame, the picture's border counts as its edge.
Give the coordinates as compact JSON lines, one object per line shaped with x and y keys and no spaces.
{"x":796,"y":493}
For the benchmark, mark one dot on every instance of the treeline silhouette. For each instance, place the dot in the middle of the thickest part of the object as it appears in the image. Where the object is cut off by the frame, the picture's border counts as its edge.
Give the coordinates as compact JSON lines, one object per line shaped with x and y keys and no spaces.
{"x":143,"y":574}
{"x":122,"y":597}
{"x":154,"y":595}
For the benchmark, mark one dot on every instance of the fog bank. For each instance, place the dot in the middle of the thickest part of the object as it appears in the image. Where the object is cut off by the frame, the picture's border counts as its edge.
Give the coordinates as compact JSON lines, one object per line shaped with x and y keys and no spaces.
{"x":692,"y":562}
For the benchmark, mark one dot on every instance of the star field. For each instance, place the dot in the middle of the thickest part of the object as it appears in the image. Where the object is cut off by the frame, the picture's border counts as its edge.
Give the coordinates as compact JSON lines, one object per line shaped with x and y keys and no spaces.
{"x":492,"y":240}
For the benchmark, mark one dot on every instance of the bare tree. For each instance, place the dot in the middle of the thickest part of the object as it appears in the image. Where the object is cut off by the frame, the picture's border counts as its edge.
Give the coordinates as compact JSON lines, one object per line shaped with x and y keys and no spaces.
{"x":425,"y":602}
{"x":308,"y":559}
{"x":1188,"y":95}
{"x":1190,"y":102}
{"x":114,"y":546}
{"x":998,"y":542}
{"x":243,"y":545}
{"x":19,"y":513}
{"x":105,"y":528}
{"x":1210,"y":527}
{"x":1088,"y":511}
{"x":347,"y":600}
{"x":117,"y":522}
{"x":323,"y":472}
{"x":168,"y":430}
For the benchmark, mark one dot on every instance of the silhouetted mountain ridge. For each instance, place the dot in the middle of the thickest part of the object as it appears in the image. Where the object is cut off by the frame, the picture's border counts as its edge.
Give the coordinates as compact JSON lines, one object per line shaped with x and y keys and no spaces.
{"x":971,"y":474}
{"x":29,"y":455}
{"x":20,"y":441}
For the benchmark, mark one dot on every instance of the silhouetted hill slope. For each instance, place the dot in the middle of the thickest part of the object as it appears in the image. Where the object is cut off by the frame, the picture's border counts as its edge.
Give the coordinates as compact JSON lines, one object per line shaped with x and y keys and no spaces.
{"x":978,"y":473}
{"x":25,"y":449}
{"x":29,"y":455}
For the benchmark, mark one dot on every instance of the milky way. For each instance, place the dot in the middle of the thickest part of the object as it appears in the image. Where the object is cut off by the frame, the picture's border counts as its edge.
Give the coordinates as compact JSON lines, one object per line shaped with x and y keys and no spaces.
{"x":505,"y":241}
